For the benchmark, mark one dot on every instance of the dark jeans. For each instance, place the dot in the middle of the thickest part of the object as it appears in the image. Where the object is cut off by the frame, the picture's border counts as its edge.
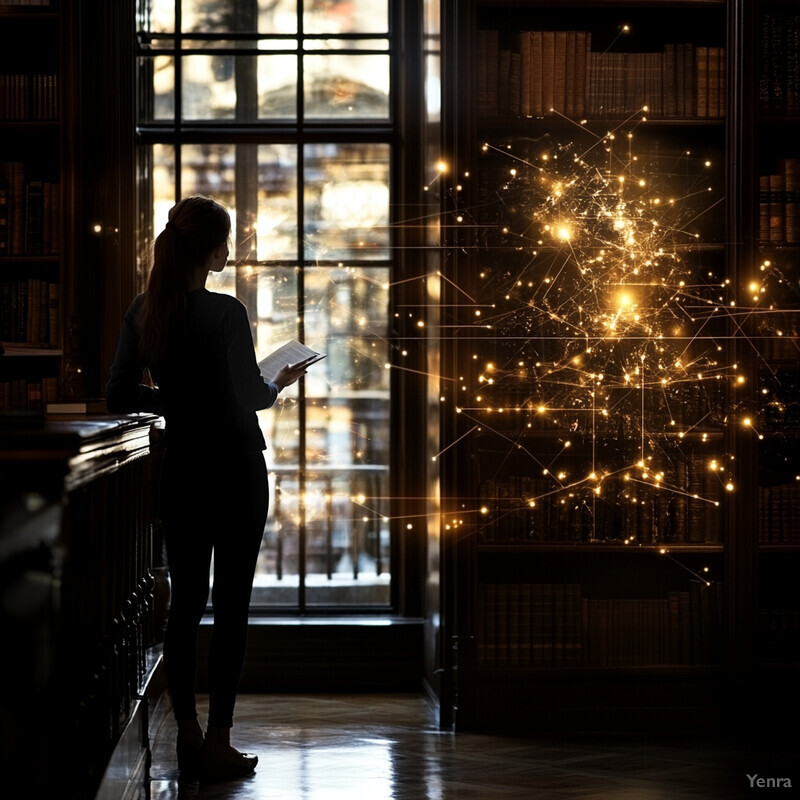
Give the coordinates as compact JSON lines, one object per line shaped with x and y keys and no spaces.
{"x":211,"y":505}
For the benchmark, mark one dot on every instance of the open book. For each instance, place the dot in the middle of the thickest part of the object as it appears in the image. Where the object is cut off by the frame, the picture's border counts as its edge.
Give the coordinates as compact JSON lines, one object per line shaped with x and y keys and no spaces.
{"x":290,"y":353}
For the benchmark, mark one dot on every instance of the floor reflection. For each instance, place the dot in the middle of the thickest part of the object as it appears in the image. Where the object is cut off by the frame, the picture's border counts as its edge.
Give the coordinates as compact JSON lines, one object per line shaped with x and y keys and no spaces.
{"x":366,"y":747}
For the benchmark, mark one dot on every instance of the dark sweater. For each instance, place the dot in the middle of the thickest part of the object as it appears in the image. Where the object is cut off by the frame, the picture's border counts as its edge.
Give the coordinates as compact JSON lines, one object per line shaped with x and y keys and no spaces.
{"x":208,"y":384}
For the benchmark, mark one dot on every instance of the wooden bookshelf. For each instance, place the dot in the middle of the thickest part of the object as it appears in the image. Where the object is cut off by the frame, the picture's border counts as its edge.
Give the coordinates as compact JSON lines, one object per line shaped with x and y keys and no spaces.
{"x":567,"y":465}
{"x":30,"y":205}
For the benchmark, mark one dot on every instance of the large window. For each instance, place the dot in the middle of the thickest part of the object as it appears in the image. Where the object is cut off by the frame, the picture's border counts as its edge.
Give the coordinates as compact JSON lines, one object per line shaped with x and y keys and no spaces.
{"x":282,"y":110}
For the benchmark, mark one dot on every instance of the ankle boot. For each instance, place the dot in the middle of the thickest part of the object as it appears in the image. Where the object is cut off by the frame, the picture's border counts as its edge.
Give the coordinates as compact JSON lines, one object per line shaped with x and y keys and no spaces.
{"x":220,"y":761}
{"x":189,"y":749}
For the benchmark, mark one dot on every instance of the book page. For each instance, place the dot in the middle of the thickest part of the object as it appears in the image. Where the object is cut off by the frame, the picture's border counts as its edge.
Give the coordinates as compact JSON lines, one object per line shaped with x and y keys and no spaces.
{"x":293,"y":352}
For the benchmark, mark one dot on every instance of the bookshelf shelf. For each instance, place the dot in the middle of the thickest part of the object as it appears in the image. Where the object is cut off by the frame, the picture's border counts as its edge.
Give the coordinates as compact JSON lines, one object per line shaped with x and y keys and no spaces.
{"x":31,"y":205}
{"x":583,"y":673}
{"x":585,"y":548}
{"x":9,"y":350}
{"x":12,"y":13}
{"x":8,"y":261}
{"x":604,"y":4}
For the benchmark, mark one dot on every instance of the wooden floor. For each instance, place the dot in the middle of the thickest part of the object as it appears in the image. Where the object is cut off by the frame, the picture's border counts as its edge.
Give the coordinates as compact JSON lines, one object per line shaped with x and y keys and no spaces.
{"x":368,"y":747}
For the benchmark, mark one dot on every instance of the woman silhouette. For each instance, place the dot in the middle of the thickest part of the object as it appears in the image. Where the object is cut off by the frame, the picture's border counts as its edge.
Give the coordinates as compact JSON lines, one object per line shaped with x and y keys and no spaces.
{"x":198,"y":349}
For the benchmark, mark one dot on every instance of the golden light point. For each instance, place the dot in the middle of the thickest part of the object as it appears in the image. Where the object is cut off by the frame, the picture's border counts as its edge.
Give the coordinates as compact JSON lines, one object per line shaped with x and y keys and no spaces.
{"x":441,"y":166}
{"x":729,"y":487}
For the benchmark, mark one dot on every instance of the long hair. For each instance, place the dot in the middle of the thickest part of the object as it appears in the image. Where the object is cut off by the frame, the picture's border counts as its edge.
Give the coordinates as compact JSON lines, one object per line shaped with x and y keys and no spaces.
{"x":197,"y":226}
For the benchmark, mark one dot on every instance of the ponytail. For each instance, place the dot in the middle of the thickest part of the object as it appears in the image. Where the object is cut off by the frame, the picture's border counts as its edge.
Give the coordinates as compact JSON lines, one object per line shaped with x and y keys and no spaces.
{"x":196,"y":227}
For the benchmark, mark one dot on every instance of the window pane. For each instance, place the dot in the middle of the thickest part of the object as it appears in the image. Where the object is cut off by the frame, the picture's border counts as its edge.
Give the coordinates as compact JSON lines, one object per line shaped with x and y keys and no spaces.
{"x":277,"y":202}
{"x":345,"y":16}
{"x":346,"y":86}
{"x":218,"y":16}
{"x":233,"y":44}
{"x":346,"y":201}
{"x":156,"y":16}
{"x":209,"y":169}
{"x":209,"y":88}
{"x":347,"y":395}
{"x":163,"y":88}
{"x":278,"y":567}
{"x":314,"y":45}
{"x":277,"y":87}
{"x":163,"y":184}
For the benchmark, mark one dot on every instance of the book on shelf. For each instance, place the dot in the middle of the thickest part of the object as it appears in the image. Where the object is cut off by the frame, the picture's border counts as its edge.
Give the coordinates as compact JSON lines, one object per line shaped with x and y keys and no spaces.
{"x":683,"y":510}
{"x":558,"y":70}
{"x":555,"y":625}
{"x":779,"y":204}
{"x":26,"y":395}
{"x":779,"y":514}
{"x":779,"y":67}
{"x":29,"y":311}
{"x":29,"y":209}
{"x":28,"y":97}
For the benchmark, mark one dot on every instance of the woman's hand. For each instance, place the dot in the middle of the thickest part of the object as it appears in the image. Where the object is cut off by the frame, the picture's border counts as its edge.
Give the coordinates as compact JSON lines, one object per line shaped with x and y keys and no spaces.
{"x":288,"y":374}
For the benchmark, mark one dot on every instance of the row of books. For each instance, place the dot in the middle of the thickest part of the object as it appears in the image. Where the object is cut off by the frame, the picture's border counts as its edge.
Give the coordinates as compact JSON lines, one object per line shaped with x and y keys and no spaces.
{"x":779,"y":204}
{"x":28,"y":97}
{"x":29,"y":212}
{"x":778,"y":333}
{"x":779,"y":514}
{"x":779,"y":73}
{"x":530,"y":510}
{"x":553,"y":625}
{"x":29,"y":311}
{"x":23,"y":396}
{"x":779,"y":633}
{"x":544,"y":70}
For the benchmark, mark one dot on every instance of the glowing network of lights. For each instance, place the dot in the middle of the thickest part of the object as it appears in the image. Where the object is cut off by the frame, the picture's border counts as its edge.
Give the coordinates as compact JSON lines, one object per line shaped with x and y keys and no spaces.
{"x":602,"y":376}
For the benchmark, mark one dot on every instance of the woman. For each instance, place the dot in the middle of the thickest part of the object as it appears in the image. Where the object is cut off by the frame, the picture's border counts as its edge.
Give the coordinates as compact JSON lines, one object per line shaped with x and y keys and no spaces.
{"x":197,"y":347}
